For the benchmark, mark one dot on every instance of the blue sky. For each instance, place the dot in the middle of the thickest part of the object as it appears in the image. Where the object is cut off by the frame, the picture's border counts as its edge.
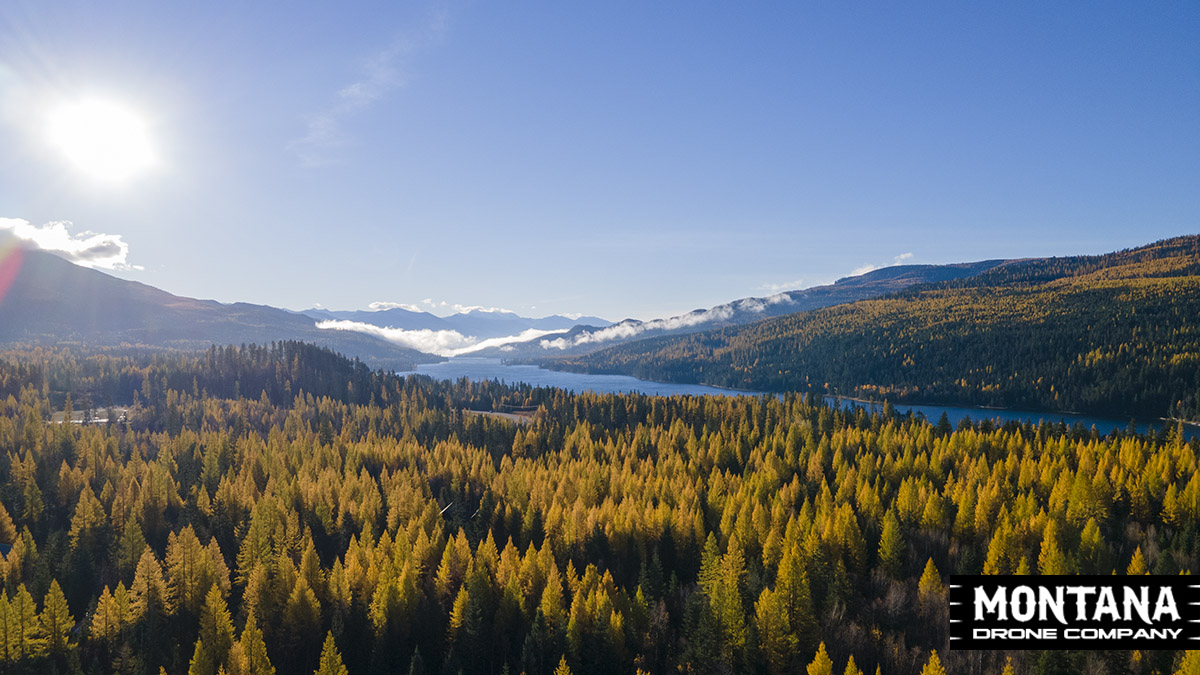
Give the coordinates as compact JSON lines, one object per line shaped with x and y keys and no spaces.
{"x":615,"y":159}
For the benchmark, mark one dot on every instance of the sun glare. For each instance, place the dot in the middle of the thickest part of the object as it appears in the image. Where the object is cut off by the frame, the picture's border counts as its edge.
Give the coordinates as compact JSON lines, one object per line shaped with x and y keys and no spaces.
{"x":106,"y":141}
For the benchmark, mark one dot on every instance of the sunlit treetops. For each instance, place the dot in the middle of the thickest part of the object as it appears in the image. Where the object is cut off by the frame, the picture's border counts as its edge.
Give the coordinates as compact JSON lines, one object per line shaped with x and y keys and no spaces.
{"x":378,"y":528}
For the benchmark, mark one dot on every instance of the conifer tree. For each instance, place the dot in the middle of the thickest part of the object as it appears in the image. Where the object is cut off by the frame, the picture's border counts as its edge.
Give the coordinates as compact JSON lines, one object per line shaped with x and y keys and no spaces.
{"x":1051,"y":560}
{"x":56,"y":619}
{"x":216,"y":636}
{"x":331,"y":658}
{"x":891,"y":546}
{"x":821,"y":663}
{"x":934,"y":665}
{"x":776,"y":641}
{"x":1137,"y":565}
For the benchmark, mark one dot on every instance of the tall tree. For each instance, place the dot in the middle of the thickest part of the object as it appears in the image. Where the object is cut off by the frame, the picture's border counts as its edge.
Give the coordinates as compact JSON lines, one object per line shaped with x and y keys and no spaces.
{"x":331,"y":659}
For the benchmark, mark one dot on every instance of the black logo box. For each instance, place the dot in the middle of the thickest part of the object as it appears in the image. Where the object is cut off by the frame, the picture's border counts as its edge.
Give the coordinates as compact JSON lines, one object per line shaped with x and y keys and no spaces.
{"x":969,"y":632}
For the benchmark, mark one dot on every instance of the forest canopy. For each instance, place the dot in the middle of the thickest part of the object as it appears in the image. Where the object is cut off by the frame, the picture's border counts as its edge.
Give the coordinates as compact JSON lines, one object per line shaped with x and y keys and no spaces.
{"x":282,"y":509}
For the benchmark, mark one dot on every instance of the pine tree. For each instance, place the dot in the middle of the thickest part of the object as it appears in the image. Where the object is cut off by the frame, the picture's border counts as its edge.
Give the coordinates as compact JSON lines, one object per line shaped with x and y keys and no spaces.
{"x":331,"y":659}
{"x":1051,"y":560}
{"x":776,"y":641}
{"x":8,"y":531}
{"x":23,"y":622}
{"x":105,"y":625}
{"x":891,"y":546}
{"x":251,"y":652}
{"x":821,"y":663}
{"x":563,"y":668}
{"x":934,"y":665}
{"x":56,"y":619}
{"x":216,"y":636}
{"x":794,"y":593}
{"x":1137,"y":565}
{"x":931,"y":581}
{"x":851,"y":668}
{"x":149,"y":598}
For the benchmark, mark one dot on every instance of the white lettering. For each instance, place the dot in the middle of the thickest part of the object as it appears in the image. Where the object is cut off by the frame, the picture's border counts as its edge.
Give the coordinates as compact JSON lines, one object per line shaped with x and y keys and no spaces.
{"x":1166,"y":604}
{"x":1054,"y":603}
{"x":1107,"y":604}
{"x":1139,"y":602}
{"x":994,"y":605}
{"x":1081,"y":593}
{"x":1026,"y":612}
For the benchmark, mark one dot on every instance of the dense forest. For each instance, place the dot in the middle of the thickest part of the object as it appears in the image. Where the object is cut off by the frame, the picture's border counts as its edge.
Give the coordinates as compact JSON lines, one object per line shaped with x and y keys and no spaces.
{"x":1115,"y":334}
{"x":284,"y":510}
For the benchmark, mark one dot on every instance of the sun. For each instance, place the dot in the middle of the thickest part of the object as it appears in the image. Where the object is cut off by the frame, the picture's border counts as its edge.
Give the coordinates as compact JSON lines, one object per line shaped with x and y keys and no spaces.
{"x":106,"y":141}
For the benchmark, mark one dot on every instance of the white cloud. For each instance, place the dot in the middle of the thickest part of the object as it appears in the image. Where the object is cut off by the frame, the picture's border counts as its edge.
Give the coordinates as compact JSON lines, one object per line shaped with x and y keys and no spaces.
{"x":898,"y":260}
{"x":86,"y":249}
{"x":440,"y":342}
{"x":785,"y":286}
{"x":381,"y":74}
{"x":457,"y":308}
{"x":480,"y":308}
{"x":382,"y":305}
{"x":433,"y":305}
{"x":629,"y":329}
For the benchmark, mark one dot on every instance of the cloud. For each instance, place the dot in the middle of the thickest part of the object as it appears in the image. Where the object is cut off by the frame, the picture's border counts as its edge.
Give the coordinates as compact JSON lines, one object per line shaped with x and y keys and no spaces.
{"x":462,"y":309}
{"x":431,"y":304}
{"x":86,"y":249}
{"x":785,"y":286}
{"x":440,"y":342}
{"x":898,"y":260}
{"x":629,"y":329}
{"x":380,"y":306}
{"x":382,"y":73}
{"x":457,"y":308}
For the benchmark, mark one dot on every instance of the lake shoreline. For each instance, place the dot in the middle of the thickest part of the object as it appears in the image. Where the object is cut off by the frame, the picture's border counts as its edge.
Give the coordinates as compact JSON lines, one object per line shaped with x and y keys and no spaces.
{"x":483,"y":368}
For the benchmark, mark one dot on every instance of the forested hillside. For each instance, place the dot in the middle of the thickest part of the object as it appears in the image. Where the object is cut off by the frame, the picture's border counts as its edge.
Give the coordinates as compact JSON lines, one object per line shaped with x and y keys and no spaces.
{"x":51,"y":301}
{"x":1115,"y":334}
{"x":228,"y":525}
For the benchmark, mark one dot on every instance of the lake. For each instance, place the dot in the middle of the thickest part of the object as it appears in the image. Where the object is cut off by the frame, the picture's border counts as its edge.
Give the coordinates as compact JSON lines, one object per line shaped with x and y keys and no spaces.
{"x":493,"y":369}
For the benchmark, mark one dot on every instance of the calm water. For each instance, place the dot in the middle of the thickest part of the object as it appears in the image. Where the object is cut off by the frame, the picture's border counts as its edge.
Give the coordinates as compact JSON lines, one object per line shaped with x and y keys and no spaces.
{"x":493,"y":369}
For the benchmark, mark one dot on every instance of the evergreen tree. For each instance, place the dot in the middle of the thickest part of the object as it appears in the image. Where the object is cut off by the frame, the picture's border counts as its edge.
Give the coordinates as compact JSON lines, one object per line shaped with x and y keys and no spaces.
{"x":1052,"y":560}
{"x":934,"y":665}
{"x":216,"y":636}
{"x":891,"y":546}
{"x":56,"y":620}
{"x":331,"y":659}
{"x":821,"y":663}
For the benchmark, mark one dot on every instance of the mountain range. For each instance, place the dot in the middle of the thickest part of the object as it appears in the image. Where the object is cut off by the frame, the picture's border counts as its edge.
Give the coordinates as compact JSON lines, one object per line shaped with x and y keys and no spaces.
{"x":1113,"y":334}
{"x":49,"y":300}
{"x":478,"y":323}
{"x":53,"y":301}
{"x":585,"y":339}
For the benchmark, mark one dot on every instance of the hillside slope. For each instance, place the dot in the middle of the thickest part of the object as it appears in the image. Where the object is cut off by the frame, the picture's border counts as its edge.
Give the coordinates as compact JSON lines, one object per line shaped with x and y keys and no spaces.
{"x":52,"y":301}
{"x":588,"y":339}
{"x":1115,"y":334}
